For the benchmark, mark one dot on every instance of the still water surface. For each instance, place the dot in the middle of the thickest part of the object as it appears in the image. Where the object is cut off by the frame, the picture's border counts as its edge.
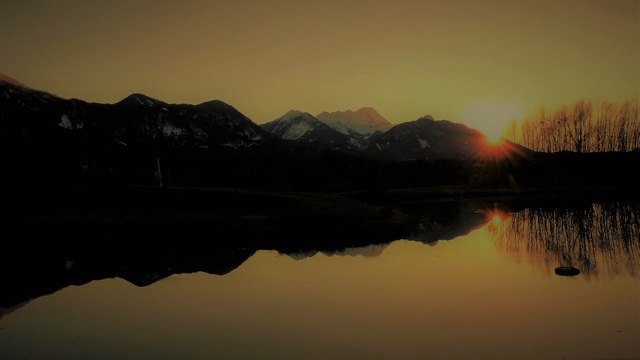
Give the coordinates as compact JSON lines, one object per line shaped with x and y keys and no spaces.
{"x":489,"y":294}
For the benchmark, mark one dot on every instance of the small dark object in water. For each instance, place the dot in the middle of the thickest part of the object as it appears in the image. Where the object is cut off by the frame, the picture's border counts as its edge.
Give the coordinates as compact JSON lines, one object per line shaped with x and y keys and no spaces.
{"x":567,"y":271}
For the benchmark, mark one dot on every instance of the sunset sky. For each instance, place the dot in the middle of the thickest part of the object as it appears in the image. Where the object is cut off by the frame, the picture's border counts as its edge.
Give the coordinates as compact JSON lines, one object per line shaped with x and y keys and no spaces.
{"x":479,"y":62}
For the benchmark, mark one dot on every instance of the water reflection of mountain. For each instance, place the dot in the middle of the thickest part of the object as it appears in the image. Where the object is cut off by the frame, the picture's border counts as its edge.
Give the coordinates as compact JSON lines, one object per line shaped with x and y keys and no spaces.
{"x":438,"y":220}
{"x":449,"y":220}
{"x":30,"y":276}
{"x":364,"y":251}
{"x":26,"y":277}
{"x":600,"y":239}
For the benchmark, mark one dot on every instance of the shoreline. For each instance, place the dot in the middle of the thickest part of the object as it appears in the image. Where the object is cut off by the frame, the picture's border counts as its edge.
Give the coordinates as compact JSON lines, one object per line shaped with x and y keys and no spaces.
{"x":245,"y":217}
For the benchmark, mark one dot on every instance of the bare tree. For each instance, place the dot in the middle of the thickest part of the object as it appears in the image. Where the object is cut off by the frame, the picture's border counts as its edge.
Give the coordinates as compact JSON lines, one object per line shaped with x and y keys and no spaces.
{"x":584,"y":126}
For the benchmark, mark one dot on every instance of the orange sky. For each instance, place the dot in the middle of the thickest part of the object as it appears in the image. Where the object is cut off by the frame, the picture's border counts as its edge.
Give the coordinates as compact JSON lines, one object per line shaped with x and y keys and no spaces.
{"x":473,"y":61}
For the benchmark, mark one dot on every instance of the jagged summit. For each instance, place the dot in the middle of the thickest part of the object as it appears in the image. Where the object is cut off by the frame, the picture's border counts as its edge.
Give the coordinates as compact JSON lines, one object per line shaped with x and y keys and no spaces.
{"x":364,"y":122}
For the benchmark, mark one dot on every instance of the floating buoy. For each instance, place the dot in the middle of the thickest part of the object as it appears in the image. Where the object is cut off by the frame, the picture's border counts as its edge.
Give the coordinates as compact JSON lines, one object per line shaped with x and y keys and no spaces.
{"x":567,"y":271}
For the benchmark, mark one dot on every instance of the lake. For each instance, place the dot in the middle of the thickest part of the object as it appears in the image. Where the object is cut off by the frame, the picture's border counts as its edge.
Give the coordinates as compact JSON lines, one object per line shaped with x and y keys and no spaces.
{"x":483,"y":286}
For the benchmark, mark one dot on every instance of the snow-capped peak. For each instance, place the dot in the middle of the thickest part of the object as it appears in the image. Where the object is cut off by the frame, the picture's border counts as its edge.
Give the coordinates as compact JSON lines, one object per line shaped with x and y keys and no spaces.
{"x":296,"y":115}
{"x":364,"y":121}
{"x":291,"y":114}
{"x":292,"y":125}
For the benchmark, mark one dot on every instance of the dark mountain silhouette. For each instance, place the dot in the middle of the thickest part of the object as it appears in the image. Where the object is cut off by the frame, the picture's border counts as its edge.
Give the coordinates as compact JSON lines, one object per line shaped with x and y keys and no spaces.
{"x":427,"y":138}
{"x":361,"y":125}
{"x":136,"y":120}
{"x":136,"y":99}
{"x":302,"y":127}
{"x":9,"y":80}
{"x":44,"y":138}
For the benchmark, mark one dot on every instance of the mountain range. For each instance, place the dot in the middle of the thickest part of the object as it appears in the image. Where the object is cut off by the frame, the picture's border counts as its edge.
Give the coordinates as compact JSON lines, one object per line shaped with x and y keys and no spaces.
{"x":142,"y":120}
{"x":361,"y":125}
{"x":137,"y":119}
{"x":339,"y":130}
{"x":42,"y":134}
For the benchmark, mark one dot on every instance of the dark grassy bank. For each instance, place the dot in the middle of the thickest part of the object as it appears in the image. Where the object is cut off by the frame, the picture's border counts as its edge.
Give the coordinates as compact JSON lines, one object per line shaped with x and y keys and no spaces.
{"x":278,"y":166}
{"x":231,"y":218}
{"x":205,"y":218}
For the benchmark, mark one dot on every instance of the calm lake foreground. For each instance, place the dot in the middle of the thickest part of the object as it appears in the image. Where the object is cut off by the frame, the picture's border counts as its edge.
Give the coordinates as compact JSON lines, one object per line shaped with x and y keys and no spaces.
{"x":490,"y":293}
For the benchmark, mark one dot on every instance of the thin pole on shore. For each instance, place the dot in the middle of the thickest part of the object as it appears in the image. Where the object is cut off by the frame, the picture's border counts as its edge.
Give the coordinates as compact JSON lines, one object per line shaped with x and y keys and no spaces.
{"x":158,"y":172}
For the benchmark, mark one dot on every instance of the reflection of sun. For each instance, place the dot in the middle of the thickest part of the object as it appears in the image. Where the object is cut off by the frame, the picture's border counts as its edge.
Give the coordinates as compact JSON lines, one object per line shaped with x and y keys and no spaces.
{"x":496,"y":217}
{"x":494,"y":221}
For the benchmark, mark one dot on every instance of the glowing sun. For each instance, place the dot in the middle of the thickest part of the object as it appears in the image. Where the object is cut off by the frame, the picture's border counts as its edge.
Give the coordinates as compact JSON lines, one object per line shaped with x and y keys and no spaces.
{"x":494,"y":141}
{"x":491,"y":118}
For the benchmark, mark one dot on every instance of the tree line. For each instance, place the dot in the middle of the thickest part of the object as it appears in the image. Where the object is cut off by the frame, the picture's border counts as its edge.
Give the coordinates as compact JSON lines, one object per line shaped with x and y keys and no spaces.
{"x":584,"y":126}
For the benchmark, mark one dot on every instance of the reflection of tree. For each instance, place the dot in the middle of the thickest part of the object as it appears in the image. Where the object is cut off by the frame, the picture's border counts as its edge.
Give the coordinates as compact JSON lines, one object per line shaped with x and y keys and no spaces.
{"x":602,"y":239}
